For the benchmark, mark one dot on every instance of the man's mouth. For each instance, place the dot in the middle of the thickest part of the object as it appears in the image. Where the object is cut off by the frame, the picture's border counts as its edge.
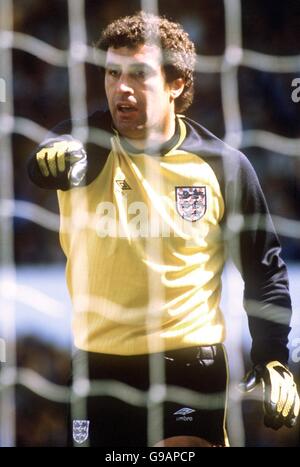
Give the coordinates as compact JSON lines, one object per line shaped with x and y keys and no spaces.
{"x":126,"y":108}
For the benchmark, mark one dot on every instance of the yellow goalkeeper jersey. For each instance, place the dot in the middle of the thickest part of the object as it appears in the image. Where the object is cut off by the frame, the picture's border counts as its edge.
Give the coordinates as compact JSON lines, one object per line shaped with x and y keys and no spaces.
{"x":145,"y":237}
{"x":144,"y":251}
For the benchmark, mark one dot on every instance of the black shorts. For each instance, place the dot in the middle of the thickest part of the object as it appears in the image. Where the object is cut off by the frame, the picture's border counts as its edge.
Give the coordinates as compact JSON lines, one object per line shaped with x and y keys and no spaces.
{"x":107,"y":420}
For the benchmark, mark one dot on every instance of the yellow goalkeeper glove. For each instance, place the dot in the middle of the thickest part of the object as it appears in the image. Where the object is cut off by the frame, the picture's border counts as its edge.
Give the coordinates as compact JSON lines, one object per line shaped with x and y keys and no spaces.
{"x":281,"y":400}
{"x":60,"y":155}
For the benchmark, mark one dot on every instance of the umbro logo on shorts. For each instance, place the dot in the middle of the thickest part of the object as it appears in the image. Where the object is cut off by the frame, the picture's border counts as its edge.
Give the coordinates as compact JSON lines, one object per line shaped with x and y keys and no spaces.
{"x":184,"y":411}
{"x":183,"y":414}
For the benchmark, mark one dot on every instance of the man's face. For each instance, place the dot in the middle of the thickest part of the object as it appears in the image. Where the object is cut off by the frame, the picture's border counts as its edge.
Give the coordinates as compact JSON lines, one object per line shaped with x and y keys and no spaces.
{"x":138,"y":96}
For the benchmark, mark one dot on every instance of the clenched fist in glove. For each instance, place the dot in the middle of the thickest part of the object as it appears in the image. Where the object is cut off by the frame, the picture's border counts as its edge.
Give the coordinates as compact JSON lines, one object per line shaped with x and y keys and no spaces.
{"x":60,"y":155}
{"x":281,"y":400}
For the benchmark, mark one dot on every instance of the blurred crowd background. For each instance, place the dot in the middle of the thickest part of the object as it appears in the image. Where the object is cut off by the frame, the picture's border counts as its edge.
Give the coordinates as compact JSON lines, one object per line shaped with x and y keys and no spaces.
{"x":41,"y":94}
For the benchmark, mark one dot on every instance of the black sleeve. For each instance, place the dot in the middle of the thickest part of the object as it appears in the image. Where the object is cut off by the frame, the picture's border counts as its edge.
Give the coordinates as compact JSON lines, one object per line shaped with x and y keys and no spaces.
{"x":256,"y":251}
{"x":96,"y":155}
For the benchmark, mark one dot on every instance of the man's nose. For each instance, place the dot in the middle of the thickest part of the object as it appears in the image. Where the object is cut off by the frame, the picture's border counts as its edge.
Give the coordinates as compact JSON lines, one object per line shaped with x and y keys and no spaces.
{"x":124,"y":85}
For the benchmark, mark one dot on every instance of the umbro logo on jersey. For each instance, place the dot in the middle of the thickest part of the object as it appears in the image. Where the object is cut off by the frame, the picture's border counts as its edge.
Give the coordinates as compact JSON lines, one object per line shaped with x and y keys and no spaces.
{"x":182,"y":414}
{"x":123,"y":185}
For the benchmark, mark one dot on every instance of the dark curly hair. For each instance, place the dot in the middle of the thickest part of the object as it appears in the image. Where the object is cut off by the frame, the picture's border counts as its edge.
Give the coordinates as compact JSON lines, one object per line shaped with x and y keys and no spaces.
{"x":178,"y":50}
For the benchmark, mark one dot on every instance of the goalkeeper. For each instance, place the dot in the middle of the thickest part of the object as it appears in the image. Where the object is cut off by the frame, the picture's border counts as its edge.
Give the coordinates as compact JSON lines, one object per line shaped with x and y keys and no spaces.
{"x":147,"y":221}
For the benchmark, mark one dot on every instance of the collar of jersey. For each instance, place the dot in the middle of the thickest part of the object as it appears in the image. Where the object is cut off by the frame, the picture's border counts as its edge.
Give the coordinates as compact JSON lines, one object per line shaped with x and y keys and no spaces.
{"x":165,"y":149}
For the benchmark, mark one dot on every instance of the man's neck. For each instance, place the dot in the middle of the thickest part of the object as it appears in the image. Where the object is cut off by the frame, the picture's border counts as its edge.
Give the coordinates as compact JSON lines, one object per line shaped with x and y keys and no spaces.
{"x":155,"y":138}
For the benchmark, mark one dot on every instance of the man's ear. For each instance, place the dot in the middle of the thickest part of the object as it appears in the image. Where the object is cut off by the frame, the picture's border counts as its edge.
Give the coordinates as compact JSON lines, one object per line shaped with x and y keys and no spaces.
{"x":176,"y":87}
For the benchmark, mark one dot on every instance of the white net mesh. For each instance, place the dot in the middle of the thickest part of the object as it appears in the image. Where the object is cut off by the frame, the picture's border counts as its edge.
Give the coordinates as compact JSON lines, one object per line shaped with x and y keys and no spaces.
{"x":74,"y":59}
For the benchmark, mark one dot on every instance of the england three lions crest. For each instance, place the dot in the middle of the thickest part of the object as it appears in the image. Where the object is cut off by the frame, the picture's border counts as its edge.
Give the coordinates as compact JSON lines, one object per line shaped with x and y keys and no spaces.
{"x":80,"y":430}
{"x":191,"y":202}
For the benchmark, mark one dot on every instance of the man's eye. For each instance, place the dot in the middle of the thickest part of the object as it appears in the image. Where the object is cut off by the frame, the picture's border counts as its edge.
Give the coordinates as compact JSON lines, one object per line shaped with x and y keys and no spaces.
{"x":141,"y":74}
{"x":113,"y":73}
